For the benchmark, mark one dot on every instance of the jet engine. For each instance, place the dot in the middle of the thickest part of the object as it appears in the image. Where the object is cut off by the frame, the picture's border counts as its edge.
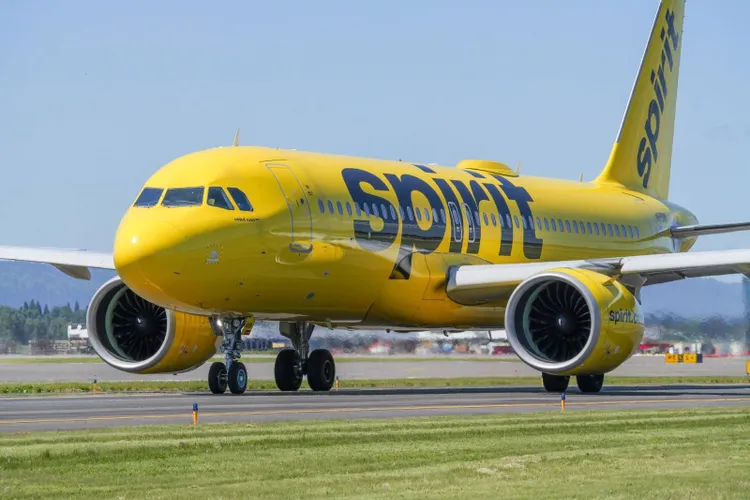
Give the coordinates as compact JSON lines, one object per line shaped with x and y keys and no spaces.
{"x":573,"y":322}
{"x":136,"y":336}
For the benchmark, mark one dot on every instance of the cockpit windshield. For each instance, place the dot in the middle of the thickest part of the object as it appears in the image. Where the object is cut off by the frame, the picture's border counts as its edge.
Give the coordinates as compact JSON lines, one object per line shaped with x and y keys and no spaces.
{"x":149,"y":197}
{"x":218,"y":198}
{"x":240,"y":199}
{"x":183,"y":197}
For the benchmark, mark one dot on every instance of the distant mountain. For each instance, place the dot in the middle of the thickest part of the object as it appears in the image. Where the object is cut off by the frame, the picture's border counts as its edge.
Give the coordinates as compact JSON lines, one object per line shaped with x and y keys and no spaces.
{"x":699,"y":298}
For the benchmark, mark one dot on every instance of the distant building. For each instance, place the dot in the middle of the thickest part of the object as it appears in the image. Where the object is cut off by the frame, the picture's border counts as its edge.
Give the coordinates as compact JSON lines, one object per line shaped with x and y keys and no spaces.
{"x":746,"y":296}
{"x":77,"y":332}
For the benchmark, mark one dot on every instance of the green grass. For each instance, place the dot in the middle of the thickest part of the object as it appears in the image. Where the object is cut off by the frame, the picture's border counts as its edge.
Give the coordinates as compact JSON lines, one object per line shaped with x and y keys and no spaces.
{"x":265,"y":357}
{"x":686,"y":454}
{"x":199,"y":385}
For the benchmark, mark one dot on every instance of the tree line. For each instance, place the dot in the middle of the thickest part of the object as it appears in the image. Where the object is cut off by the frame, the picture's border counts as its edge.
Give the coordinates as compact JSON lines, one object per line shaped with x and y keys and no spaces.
{"x":32,"y":321}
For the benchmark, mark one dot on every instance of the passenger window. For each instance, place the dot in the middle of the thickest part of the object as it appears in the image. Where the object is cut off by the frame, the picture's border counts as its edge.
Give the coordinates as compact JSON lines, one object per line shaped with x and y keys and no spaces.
{"x":630,"y":231}
{"x":494,"y":220}
{"x":637,"y":236}
{"x":560,"y":225}
{"x":617,"y":230}
{"x":339,"y":208}
{"x":426,"y":215}
{"x":367,"y":209}
{"x":435,"y":215}
{"x":348,"y":209}
{"x":401,"y":211}
{"x":531,"y":223}
{"x":321,"y":206}
{"x":218,"y":198}
{"x":486,"y":220}
{"x":507,"y":220}
{"x":523,"y":221}
{"x":149,"y":197}
{"x":418,"y":213}
{"x":596,"y":228}
{"x":539,"y":223}
{"x":330,"y":207}
{"x":240,"y":199}
{"x":476,"y":218}
{"x":567,"y":226}
{"x":546,"y":224}
{"x":575,"y":227}
{"x":582,"y":227}
{"x":359,"y":210}
{"x":588,"y":226}
{"x":383,"y":210}
{"x":442,"y":216}
{"x":410,"y":214}
{"x":183,"y":197}
{"x":622,"y":230}
{"x":609,"y":227}
{"x":375,"y":210}
{"x":515,"y":218}
{"x":393,"y":213}
{"x":604,"y":230}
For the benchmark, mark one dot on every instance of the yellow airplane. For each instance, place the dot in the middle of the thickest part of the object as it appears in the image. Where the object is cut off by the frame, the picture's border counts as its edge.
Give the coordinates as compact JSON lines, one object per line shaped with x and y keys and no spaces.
{"x":219,"y":238}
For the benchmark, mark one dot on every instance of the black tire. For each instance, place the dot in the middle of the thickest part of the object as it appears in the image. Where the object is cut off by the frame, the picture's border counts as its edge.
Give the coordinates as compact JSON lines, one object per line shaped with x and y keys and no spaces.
{"x":237,"y":378}
{"x":288,"y":370}
{"x":590,"y":383}
{"x":555,"y":383}
{"x":217,"y":378}
{"x":321,"y":370}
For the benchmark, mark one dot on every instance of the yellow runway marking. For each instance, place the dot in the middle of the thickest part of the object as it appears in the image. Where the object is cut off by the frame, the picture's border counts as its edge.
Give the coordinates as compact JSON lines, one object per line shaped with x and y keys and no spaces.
{"x":555,"y":405}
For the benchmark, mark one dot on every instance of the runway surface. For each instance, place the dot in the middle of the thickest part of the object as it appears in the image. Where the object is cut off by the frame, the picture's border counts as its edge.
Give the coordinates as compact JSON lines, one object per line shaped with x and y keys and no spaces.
{"x":361,"y":368}
{"x":106,"y":410}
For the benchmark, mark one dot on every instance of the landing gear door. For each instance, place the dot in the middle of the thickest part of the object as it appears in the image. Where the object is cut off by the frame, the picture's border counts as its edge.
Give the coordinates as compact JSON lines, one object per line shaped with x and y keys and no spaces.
{"x":299,"y":207}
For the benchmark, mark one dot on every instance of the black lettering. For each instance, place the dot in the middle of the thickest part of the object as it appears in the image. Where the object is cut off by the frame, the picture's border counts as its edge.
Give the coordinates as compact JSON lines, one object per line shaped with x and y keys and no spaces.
{"x":532,"y":245}
{"x":364,"y":233}
{"x":506,"y":233}
{"x":457,"y":235}
{"x":471,"y":199}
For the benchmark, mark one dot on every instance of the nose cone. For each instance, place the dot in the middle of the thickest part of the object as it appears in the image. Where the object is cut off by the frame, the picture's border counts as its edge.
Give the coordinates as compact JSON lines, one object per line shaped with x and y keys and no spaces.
{"x":148,"y":256}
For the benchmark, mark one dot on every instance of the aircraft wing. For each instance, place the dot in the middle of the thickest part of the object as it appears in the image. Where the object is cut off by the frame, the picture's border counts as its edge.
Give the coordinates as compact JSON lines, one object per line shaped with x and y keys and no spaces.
{"x":485,"y":283}
{"x":74,"y":263}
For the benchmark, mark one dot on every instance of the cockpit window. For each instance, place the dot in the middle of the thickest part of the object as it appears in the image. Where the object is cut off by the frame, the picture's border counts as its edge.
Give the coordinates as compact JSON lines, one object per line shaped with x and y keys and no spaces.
{"x":183,"y":197}
{"x":240,"y":199}
{"x":218,"y":198}
{"x":149,"y":197}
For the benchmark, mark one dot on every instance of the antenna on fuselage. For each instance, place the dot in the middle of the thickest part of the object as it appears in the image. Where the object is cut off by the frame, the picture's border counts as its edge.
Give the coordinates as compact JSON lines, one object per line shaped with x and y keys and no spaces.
{"x":518,"y":168}
{"x":580,"y":177}
{"x":236,"y":138}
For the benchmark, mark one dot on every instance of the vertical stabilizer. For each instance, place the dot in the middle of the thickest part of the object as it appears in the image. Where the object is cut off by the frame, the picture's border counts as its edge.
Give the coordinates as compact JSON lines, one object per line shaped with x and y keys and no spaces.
{"x":642,"y":154}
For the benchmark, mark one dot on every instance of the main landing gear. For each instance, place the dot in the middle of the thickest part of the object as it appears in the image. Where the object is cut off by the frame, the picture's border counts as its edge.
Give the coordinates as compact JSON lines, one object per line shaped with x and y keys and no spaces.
{"x":586,"y":383}
{"x":293,"y":364}
{"x":231,"y":373}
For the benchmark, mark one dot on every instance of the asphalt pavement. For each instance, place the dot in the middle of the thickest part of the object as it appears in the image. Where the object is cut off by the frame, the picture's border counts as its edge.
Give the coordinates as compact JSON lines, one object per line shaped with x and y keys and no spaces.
{"x":35,"y":413}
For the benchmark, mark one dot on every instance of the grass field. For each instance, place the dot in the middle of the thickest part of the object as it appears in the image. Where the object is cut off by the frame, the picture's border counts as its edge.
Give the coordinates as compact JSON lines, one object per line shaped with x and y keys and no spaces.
{"x":201,"y":386}
{"x":701,"y":453}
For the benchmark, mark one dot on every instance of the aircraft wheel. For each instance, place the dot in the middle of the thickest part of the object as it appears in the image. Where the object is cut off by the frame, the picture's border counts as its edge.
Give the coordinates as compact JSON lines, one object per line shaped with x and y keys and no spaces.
{"x":590,"y":383}
{"x":288,"y":370}
{"x":237,"y":378}
{"x":555,"y":383}
{"x":217,"y":378}
{"x":321,"y":370}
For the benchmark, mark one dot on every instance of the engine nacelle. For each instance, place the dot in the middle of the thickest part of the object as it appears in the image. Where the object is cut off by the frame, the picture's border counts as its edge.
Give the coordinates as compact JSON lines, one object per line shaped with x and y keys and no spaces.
{"x":136,"y":336}
{"x":573,"y":322}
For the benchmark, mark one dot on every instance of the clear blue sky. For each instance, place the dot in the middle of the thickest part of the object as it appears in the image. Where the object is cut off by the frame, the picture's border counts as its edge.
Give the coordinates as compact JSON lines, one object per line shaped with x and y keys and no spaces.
{"x":95,"y":96}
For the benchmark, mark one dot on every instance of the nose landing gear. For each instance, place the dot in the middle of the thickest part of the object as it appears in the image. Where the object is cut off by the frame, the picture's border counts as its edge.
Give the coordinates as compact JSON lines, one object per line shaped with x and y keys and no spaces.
{"x":232,"y":373}
{"x":293,"y":364}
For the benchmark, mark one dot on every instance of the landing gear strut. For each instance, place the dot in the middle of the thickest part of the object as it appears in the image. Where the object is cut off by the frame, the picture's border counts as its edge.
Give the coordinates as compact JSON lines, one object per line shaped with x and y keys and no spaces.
{"x":293,"y":364}
{"x":231,"y":373}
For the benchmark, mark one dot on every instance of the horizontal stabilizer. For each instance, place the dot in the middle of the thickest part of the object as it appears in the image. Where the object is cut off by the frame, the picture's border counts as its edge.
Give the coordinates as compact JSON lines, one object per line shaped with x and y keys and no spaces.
{"x":705,"y":229}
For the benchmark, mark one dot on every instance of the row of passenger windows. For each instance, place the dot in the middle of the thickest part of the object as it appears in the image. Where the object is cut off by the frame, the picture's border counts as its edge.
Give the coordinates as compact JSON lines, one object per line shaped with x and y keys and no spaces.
{"x":193,"y":196}
{"x":542,"y":223}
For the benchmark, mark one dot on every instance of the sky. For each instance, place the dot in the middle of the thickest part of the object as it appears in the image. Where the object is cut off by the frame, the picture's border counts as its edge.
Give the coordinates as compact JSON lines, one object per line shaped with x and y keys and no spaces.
{"x":96,"y":96}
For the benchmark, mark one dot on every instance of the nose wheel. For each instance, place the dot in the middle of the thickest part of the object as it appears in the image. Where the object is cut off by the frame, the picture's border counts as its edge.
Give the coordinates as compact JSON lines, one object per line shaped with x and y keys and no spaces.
{"x":232,"y":373}
{"x":293,"y":364}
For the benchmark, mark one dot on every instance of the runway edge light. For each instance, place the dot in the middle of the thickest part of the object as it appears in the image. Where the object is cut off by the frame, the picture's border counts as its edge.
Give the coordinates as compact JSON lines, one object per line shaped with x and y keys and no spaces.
{"x":195,"y":413}
{"x":562,"y":402}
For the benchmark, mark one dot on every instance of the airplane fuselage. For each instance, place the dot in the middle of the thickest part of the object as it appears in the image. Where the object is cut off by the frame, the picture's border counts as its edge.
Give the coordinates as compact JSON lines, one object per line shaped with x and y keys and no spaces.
{"x":362,"y":242}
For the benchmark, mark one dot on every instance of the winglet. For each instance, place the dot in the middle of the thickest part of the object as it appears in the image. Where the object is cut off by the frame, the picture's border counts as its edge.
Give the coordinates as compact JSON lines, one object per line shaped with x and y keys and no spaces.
{"x":236,"y":138}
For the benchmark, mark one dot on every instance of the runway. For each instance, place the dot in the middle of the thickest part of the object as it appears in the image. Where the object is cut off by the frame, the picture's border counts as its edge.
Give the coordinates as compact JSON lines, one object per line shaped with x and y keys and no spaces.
{"x":351,"y":368}
{"x":107,"y":410}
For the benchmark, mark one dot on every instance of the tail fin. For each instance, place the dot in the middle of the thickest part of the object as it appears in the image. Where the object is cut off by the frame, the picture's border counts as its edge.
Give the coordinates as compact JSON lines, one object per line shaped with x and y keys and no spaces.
{"x":642,"y":154}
